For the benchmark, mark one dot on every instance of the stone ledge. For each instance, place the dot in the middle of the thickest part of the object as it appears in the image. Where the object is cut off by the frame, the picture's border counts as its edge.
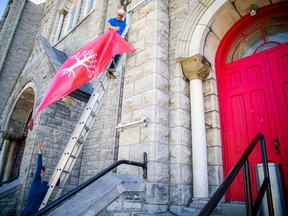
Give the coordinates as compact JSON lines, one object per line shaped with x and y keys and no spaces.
{"x":9,"y":188}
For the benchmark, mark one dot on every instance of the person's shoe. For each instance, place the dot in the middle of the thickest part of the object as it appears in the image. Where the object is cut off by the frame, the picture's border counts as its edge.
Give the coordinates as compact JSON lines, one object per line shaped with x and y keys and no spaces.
{"x":111,"y":75}
{"x":111,"y":70}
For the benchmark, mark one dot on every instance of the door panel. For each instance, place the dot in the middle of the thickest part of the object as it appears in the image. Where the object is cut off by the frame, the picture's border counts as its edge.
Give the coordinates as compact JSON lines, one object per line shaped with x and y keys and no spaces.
{"x":279,"y":75}
{"x":249,"y":106}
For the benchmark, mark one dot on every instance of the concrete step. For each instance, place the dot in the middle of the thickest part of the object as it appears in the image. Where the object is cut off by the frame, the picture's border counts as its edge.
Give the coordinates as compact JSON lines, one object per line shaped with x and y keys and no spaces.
{"x":235,"y":209}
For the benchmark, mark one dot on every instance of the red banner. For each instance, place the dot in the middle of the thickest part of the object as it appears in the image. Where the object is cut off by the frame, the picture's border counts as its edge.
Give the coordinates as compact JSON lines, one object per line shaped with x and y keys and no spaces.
{"x":83,"y":66}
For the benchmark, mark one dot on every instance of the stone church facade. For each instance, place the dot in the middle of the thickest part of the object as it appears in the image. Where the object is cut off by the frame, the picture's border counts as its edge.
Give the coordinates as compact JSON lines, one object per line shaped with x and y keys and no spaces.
{"x":170,"y":80}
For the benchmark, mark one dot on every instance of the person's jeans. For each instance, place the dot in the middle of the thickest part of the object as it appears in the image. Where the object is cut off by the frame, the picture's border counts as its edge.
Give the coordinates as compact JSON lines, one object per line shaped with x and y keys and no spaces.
{"x":115,"y":61}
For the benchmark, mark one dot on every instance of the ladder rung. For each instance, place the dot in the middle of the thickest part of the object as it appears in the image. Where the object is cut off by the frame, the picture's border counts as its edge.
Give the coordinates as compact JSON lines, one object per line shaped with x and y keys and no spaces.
{"x":66,"y":171}
{"x":73,"y":156}
{"x":87,"y":128}
{"x":80,"y":139}
{"x":93,"y":113}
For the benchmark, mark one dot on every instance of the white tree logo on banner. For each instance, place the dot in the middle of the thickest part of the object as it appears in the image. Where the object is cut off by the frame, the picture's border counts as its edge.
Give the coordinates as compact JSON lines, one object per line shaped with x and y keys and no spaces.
{"x":85,"y":59}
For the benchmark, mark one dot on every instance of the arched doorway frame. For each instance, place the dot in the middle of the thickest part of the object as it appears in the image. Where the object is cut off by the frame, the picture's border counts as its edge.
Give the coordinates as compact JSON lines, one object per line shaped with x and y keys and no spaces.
{"x":14,"y":137}
{"x":194,"y":37}
{"x":269,"y":11}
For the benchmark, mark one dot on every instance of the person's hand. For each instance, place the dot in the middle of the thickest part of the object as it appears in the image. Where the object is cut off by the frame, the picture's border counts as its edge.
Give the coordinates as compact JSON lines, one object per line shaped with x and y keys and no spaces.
{"x":40,"y":147}
{"x":116,"y":29}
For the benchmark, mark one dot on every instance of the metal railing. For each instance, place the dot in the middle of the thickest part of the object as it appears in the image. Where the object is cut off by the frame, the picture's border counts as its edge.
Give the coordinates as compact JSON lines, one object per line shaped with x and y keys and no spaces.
{"x":244,"y":163}
{"x":93,"y":179}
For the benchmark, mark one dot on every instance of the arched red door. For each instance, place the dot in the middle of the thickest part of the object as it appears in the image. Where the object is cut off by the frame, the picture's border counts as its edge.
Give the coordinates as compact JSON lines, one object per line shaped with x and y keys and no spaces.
{"x":253,"y":93}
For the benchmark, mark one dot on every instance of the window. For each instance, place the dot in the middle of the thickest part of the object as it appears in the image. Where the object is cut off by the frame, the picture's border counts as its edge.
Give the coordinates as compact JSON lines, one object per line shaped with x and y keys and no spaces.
{"x":259,"y":37}
{"x":89,"y":5}
{"x":73,"y":15}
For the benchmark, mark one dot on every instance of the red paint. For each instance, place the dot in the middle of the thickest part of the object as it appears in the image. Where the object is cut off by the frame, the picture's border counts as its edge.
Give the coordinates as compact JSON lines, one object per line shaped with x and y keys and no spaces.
{"x":253,"y":97}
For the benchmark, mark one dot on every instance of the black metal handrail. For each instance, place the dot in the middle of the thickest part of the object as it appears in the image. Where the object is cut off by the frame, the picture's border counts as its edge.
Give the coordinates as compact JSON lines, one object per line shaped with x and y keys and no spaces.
{"x":265,"y":186}
{"x":93,"y":179}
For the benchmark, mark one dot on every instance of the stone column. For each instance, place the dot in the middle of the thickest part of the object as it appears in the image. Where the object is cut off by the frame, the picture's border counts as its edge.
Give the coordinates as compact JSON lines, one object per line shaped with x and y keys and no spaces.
{"x":196,"y":69}
{"x":3,"y":154}
{"x":10,"y":161}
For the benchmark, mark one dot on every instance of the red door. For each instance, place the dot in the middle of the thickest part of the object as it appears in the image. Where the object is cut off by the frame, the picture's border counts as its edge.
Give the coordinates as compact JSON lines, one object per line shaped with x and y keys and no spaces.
{"x":254,"y":92}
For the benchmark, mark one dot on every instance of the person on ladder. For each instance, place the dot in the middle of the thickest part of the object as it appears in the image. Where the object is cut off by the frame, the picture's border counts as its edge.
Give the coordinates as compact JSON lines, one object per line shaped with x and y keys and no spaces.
{"x":117,"y":24}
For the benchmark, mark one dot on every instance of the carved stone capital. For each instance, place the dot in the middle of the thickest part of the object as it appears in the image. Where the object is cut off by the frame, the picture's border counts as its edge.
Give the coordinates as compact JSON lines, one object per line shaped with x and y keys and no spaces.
{"x":195,"y":67}
{"x":63,"y":12}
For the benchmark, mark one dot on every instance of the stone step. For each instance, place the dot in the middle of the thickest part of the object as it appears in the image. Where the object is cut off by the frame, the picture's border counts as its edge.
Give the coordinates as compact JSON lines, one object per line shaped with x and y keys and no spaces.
{"x":99,"y":194}
{"x":235,"y":209}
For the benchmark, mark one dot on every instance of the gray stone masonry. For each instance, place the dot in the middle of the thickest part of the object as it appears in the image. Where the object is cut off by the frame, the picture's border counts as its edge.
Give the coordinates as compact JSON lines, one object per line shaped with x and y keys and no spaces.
{"x":16,"y":41}
{"x":8,"y":192}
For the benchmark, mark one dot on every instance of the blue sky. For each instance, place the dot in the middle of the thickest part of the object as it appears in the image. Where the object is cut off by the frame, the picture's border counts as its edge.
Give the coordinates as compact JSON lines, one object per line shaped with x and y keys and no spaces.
{"x":3,"y":4}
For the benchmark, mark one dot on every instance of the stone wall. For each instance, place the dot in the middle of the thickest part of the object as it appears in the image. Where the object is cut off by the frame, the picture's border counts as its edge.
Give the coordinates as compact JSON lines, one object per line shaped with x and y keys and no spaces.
{"x":146,"y":94}
{"x":8,"y":203}
{"x":16,"y":38}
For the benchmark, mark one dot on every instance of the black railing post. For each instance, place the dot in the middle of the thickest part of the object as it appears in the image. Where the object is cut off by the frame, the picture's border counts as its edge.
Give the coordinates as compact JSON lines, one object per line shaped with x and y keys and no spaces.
{"x":145,"y":165}
{"x":266,"y":175}
{"x":243,"y":162}
{"x":247,"y":187}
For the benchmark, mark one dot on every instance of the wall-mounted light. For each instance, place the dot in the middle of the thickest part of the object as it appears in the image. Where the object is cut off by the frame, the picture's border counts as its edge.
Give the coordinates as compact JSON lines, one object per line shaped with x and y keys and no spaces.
{"x":253,"y":9}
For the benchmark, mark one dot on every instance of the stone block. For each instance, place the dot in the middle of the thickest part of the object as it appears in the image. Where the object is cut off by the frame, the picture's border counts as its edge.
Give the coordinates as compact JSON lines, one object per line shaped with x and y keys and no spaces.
{"x":213,"y":137}
{"x":211,"y":103}
{"x":153,"y":209}
{"x":181,"y":174}
{"x":215,"y":175}
{"x":130,"y":136}
{"x":132,"y":103}
{"x":146,"y":55}
{"x":209,"y":87}
{"x":115,"y":206}
{"x":219,"y":28}
{"x":180,"y":154}
{"x":158,"y":172}
{"x":131,"y":206}
{"x":212,"y":120}
{"x":133,"y":75}
{"x":180,"y":194}
{"x":214,"y":155}
{"x":180,"y":101}
{"x":162,"y":83}
{"x":180,"y":118}
{"x":145,"y":83}
{"x":180,"y":136}
{"x":155,"y":97}
{"x":155,"y":133}
{"x":210,"y":48}
{"x":157,"y":193}
{"x":179,"y":85}
{"x":176,"y":71}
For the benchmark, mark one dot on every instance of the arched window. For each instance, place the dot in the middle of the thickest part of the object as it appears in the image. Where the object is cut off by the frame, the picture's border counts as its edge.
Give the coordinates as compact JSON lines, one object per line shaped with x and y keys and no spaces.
{"x":89,"y":5}
{"x":259,"y":37}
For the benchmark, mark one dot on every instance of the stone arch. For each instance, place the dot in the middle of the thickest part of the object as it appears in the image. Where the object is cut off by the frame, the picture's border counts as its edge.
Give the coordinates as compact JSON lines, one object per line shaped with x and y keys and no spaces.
{"x":196,"y":27}
{"x":15,"y":132}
